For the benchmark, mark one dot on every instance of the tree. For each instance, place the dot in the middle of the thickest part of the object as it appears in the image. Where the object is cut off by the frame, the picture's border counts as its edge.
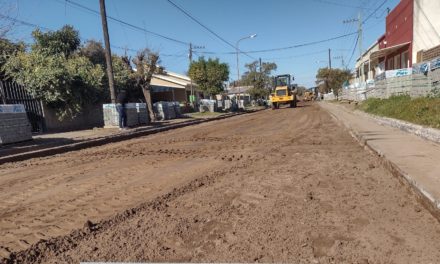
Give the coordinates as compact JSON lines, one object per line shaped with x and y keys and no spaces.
{"x":64,"y":41}
{"x":94,"y":50}
{"x":332,"y":79}
{"x":123,"y":74}
{"x":209,"y":75}
{"x":7,"y":49}
{"x":259,"y":78}
{"x":54,"y":72}
{"x":146,"y":65}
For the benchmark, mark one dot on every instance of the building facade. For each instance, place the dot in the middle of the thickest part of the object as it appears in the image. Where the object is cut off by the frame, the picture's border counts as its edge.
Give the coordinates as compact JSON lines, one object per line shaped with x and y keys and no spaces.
{"x":412,"y":35}
{"x":426,"y":44}
{"x":396,"y":45}
{"x":169,"y":86}
{"x":366,"y":68}
{"x":412,"y":28}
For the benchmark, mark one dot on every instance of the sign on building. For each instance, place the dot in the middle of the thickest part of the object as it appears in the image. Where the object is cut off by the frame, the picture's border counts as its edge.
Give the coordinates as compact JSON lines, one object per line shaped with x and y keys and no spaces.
{"x":398,"y":73}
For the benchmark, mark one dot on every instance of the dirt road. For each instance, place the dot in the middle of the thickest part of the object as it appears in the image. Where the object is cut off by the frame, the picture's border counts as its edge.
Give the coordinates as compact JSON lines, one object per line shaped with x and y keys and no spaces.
{"x":272,"y":186}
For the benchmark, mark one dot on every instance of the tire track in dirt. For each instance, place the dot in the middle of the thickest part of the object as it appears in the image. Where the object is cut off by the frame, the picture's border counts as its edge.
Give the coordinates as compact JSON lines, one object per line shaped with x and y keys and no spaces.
{"x":277,"y":186}
{"x":51,"y":196}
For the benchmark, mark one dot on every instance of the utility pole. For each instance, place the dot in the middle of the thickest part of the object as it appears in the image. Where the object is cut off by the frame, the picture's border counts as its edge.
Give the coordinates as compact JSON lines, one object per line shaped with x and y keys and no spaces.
{"x":360,"y":30}
{"x":342,"y":60}
{"x":261,"y":70}
{"x":260,"y":65}
{"x":108,"y":53}
{"x":190,"y":56}
{"x":329,"y":58}
{"x":360,"y":33}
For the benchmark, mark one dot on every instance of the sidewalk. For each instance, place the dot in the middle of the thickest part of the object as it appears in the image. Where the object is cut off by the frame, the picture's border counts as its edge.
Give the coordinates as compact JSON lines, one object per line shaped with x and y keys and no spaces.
{"x":406,"y":155}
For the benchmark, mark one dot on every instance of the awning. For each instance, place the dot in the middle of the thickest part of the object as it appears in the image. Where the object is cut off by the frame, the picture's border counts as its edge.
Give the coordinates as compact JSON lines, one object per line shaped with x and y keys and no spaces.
{"x":384,"y":52}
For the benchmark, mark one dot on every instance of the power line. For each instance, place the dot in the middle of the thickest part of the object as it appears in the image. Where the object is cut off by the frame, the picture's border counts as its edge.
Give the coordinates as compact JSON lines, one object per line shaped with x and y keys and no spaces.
{"x":355,"y":44}
{"x":161,"y":54}
{"x":374,"y":12}
{"x":340,"y":4}
{"x":354,"y":49}
{"x":24,"y":23}
{"x":207,"y":28}
{"x":126,"y":23}
{"x":361,"y":23}
{"x":117,"y":14}
{"x":289,"y":47}
{"x":296,"y":56}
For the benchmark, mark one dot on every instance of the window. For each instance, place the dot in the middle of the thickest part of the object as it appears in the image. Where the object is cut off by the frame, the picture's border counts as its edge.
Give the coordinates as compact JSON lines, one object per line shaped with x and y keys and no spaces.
{"x":397,"y":62}
{"x":404,"y":62}
{"x":281,"y":92}
{"x":390,"y":64}
{"x":282,"y":80}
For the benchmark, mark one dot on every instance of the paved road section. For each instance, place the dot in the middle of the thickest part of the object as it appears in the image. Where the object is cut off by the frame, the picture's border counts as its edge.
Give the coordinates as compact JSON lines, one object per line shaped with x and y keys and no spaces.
{"x":288,"y":185}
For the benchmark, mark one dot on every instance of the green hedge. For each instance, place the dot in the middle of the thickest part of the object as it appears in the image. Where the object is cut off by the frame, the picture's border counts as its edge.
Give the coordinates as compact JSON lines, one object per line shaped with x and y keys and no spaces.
{"x":423,"y":111}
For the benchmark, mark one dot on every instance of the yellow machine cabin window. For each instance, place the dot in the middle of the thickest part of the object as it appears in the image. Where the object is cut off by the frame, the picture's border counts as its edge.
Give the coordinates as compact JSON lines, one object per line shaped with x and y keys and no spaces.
{"x":281,"y":92}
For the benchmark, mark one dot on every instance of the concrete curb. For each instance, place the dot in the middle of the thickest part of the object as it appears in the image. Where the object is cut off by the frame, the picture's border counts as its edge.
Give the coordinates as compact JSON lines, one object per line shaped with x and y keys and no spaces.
{"x":427,"y":133}
{"x":424,"y":197}
{"x":109,"y":139}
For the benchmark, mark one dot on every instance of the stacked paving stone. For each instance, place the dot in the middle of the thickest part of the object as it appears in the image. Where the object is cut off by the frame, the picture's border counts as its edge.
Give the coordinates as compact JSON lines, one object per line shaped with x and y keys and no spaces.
{"x":177,"y":109}
{"x":207,"y":105}
{"x":14,"y":124}
{"x":137,"y":114}
{"x":132,"y":115}
{"x":142,"y":112}
{"x":228,"y":105}
{"x":166,"y":110}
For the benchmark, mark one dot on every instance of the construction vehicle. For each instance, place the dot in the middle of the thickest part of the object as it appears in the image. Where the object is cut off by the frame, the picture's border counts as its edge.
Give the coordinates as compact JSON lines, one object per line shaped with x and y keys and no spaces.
{"x":309,"y":96}
{"x":284,"y":92}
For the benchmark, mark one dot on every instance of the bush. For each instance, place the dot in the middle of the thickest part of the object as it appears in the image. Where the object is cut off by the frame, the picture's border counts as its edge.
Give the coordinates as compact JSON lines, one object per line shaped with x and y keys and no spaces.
{"x":55,"y":73}
{"x":63,"y":84}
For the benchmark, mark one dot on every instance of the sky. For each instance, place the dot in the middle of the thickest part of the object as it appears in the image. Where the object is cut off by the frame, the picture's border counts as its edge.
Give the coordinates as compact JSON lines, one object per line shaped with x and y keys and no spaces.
{"x":277,"y":23}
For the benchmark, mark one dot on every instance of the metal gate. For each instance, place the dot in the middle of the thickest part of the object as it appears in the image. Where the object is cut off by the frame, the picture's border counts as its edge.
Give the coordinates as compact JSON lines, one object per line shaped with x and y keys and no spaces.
{"x":13,"y":93}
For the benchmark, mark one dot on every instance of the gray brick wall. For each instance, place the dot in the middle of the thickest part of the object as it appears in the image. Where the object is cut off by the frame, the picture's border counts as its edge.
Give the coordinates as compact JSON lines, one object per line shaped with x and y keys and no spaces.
{"x":415,"y":85}
{"x":14,"y":127}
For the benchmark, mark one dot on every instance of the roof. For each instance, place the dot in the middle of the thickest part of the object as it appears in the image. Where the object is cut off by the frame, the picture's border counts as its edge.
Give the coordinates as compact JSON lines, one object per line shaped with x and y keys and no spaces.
{"x":179,"y":76}
{"x":171,"y":79}
{"x":384,"y":52}
{"x":370,"y":50}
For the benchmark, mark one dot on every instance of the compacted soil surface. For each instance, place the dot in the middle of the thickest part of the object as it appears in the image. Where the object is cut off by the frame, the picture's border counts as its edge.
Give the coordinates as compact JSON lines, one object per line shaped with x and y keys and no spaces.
{"x":288,"y":185}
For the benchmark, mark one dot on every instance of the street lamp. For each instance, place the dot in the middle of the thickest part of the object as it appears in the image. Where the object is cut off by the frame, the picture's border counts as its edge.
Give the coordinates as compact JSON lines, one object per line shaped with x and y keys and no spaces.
{"x":322,"y":61}
{"x":238,"y":65}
